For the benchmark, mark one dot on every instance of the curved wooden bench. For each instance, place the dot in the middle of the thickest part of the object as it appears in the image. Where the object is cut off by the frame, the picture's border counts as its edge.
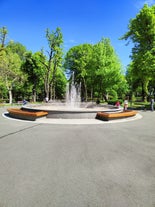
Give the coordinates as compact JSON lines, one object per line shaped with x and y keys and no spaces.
{"x":26,"y":115}
{"x":112,"y":116}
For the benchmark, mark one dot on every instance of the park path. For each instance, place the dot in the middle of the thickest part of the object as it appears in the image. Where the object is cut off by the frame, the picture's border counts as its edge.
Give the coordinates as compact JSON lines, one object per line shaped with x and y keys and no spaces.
{"x":101,"y":165}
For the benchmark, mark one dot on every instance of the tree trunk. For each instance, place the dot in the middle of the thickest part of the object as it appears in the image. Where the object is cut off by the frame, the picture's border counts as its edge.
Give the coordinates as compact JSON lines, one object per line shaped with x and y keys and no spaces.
{"x":10,"y":96}
{"x":54,"y":93}
{"x":51,"y":91}
{"x":105,"y":96}
{"x":47,"y":85}
{"x":145,"y":90}
{"x":91,"y":95}
{"x":34,"y":95}
{"x":85,"y":88}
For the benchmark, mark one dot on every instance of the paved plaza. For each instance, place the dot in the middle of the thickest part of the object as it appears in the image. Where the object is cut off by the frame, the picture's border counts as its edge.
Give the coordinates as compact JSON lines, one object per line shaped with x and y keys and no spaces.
{"x":96,"y":164}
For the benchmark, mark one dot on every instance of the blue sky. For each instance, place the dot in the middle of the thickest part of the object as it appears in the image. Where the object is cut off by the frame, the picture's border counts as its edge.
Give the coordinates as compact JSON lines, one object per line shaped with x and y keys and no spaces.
{"x":81,"y":21}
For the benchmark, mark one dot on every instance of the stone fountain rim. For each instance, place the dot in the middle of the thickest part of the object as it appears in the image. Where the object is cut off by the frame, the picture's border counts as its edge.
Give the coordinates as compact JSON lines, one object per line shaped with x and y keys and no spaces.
{"x":62,"y":108}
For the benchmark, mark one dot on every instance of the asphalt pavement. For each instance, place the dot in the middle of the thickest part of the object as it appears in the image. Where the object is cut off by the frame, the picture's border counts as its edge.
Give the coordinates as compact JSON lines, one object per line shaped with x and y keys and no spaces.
{"x":77,"y":165}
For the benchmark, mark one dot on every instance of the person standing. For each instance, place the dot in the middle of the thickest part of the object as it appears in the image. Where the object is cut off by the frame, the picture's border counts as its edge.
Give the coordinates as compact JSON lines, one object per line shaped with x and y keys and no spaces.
{"x":46,"y":99}
{"x":125,"y":104}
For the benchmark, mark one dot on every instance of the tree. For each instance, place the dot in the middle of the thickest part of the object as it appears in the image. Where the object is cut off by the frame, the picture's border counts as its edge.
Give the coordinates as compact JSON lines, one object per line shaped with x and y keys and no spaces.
{"x":97,"y":67}
{"x":17,"y":48}
{"x":142,"y":33}
{"x":3,"y":90}
{"x":3,"y":35}
{"x":108,"y":70}
{"x":34,"y":70}
{"x":10,"y":64}
{"x":60,"y":84}
{"x":55,"y":40}
{"x":77,"y":60}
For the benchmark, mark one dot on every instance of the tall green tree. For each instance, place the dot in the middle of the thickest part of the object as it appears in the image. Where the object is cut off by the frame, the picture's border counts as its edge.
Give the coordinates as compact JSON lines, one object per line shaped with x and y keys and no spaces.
{"x":54,"y":56}
{"x":10,"y":64}
{"x":77,"y":60}
{"x":97,"y":67}
{"x":108,"y":69}
{"x":60,"y":84}
{"x":142,"y":33}
{"x":35,"y":73}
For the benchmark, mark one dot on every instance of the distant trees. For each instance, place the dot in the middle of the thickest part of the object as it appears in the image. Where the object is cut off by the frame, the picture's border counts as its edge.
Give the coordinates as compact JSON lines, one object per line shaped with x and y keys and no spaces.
{"x":31,"y":76}
{"x":34,"y":71}
{"x":77,"y":60}
{"x":97,"y":68}
{"x":142,"y":33}
{"x":10,"y":63}
{"x":10,"y":70}
{"x":34,"y":76}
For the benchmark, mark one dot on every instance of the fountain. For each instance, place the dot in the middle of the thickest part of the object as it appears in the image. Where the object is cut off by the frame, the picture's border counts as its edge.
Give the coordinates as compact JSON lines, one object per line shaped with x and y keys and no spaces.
{"x":72,"y":108}
{"x":73,"y":95}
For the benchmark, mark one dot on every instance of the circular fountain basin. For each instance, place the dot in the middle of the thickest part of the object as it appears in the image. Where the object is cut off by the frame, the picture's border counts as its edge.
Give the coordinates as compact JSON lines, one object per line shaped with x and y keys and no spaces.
{"x":62,"y":111}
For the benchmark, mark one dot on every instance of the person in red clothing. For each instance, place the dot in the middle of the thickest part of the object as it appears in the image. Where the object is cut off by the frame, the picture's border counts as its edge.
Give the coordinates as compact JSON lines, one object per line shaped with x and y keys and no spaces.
{"x":117,"y":104}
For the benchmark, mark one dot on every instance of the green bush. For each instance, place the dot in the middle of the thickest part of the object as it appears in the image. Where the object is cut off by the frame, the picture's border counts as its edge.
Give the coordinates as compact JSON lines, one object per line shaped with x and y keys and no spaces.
{"x":4,"y":100}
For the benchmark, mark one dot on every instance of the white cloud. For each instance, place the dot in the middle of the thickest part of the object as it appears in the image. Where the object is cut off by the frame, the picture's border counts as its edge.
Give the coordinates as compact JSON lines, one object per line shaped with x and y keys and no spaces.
{"x":149,"y":2}
{"x":140,"y":4}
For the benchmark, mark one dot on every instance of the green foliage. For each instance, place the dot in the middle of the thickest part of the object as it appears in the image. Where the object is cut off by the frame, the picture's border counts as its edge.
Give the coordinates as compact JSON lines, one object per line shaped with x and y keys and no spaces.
{"x":97,"y":68}
{"x":17,"y":48}
{"x":34,"y":71}
{"x":3,"y":89}
{"x":26,"y":75}
{"x":78,"y":60}
{"x":10,"y":70}
{"x":112,"y":93}
{"x":142,"y":33}
{"x":55,"y":40}
{"x":3,"y":34}
{"x":60,"y":85}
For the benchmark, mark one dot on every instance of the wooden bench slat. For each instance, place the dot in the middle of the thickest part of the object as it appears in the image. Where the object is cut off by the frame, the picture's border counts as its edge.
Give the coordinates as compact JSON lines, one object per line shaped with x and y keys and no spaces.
{"x":109,"y":116}
{"x":30,"y":115}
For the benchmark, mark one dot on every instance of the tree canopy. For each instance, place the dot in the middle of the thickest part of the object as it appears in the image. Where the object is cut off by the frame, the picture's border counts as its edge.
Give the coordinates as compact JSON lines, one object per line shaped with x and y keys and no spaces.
{"x":142,"y":33}
{"x":97,"y":68}
{"x":34,"y":76}
{"x":31,"y":75}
